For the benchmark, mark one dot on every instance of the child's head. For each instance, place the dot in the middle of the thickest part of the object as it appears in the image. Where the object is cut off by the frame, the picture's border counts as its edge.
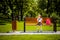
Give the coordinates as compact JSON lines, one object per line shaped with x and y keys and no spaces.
{"x":39,"y":16}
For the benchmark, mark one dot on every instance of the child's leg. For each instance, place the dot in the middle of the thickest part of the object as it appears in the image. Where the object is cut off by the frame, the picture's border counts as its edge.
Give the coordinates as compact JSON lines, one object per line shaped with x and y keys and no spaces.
{"x":38,"y":28}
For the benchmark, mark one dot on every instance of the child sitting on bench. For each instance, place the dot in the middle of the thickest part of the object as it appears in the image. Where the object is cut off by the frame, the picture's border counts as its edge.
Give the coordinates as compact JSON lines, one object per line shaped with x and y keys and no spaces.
{"x":39,"y":20}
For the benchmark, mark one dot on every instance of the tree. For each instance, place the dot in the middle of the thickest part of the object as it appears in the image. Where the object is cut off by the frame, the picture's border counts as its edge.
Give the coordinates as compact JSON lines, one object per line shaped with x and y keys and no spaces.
{"x":53,"y":7}
{"x":30,"y":8}
{"x":42,"y":5}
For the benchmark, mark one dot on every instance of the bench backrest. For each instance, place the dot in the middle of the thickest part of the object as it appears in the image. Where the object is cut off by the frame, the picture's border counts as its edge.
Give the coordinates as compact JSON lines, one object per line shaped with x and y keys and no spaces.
{"x":33,"y":21}
{"x":29,"y":20}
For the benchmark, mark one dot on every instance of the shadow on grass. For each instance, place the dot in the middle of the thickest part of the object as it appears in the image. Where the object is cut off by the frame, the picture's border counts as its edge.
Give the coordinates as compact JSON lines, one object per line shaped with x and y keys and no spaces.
{"x":5,"y":21}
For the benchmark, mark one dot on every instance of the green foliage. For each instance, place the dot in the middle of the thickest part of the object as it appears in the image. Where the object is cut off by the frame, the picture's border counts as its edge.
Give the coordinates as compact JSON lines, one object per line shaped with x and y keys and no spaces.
{"x":42,"y":4}
{"x":30,"y":8}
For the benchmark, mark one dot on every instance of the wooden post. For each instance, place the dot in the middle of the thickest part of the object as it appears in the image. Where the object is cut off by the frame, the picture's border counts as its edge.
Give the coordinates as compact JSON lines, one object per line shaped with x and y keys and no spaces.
{"x":54,"y":27}
{"x":54,"y":24}
{"x":24,"y":25}
{"x":14,"y":25}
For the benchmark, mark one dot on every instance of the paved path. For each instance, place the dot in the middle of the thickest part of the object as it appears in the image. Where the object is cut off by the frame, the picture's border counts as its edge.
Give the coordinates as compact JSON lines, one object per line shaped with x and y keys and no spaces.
{"x":29,"y":33}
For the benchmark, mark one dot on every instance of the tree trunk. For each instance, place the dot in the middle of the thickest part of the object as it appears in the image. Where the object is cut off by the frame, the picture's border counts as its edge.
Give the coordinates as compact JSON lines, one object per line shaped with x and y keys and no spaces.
{"x":21,"y":10}
{"x":21,"y":14}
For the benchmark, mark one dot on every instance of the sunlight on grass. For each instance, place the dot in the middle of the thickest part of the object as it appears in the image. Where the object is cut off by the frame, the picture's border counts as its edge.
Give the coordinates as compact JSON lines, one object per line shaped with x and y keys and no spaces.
{"x":5,"y":28}
{"x":20,"y":27}
{"x":30,"y":37}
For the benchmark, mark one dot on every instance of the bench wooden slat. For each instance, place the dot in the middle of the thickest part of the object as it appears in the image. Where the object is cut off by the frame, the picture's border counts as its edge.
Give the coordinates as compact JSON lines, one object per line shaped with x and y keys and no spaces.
{"x":33,"y":21}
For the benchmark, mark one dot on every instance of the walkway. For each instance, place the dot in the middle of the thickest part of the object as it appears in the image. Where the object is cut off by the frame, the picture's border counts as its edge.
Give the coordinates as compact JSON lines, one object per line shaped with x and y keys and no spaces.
{"x":29,"y":33}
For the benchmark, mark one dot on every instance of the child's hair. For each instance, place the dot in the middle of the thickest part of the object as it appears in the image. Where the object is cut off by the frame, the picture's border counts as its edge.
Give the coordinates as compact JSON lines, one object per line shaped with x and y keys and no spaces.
{"x":39,"y":15}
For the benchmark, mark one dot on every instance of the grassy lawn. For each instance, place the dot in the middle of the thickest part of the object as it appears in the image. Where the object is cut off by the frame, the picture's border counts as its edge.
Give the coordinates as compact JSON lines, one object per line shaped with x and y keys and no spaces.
{"x":20,"y":27}
{"x":8,"y":27}
{"x":30,"y":37}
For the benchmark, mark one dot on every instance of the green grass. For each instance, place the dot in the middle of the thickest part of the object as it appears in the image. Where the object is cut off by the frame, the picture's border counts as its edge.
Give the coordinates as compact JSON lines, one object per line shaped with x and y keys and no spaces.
{"x":30,"y":37}
{"x":5,"y":28}
{"x":44,"y":28}
{"x":20,"y":27}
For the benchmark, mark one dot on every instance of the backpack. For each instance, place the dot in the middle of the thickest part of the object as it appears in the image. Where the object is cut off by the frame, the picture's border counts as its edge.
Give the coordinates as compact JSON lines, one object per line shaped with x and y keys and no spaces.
{"x":48,"y":22}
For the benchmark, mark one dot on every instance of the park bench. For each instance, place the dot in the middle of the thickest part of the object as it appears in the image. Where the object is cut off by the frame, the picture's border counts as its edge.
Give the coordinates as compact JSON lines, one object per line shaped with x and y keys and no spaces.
{"x":31,"y":21}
